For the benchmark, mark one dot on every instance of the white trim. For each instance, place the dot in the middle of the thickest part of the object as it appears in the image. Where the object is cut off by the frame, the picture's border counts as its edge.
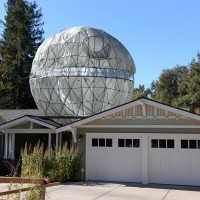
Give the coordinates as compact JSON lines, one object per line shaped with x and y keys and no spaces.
{"x":57,"y":142}
{"x":140,"y":126}
{"x":146,"y":117}
{"x":49,"y":144}
{"x":152,"y":135}
{"x":143,"y":104}
{"x":74,"y":134}
{"x":9,"y":145}
{"x":86,"y":157}
{"x":172,"y":109}
{"x":100,"y":115}
{"x":126,"y":106}
{"x":26,"y":131}
{"x":25,"y":119}
{"x":6,"y":146}
{"x":145,"y":159}
{"x":13,"y":146}
{"x":31,"y":125}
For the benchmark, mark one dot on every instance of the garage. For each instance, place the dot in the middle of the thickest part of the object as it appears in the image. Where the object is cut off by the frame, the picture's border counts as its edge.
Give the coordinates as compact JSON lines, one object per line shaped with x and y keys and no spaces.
{"x":174,"y":160}
{"x":114,"y":157}
{"x":143,"y":141}
{"x":168,"y":159}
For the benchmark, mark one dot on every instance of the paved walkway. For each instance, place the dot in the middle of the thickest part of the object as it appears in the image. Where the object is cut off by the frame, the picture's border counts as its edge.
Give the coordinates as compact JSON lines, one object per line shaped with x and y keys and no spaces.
{"x":115,"y":191}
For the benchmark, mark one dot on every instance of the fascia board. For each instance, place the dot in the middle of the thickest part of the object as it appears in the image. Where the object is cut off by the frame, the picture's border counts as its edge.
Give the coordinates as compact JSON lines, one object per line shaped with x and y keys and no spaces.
{"x":25,"y":119}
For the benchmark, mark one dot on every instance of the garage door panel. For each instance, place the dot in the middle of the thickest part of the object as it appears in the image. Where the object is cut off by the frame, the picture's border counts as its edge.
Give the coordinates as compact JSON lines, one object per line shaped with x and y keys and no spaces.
{"x":190,"y":166}
{"x":174,"y":166}
{"x":128,"y":164}
{"x":97,"y":161}
{"x":113,"y":163}
{"x":162,"y":168}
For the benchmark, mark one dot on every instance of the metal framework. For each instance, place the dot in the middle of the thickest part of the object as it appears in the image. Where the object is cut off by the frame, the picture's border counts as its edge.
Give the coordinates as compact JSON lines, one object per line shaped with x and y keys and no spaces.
{"x":81,"y":71}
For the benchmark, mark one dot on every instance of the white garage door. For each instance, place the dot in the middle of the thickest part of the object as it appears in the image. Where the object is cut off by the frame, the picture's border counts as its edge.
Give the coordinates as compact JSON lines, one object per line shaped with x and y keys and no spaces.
{"x":174,"y":161}
{"x":113,"y":158}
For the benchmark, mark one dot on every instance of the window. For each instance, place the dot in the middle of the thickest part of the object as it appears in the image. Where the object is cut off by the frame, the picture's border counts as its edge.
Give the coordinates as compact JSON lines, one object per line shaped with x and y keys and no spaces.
{"x":184,"y":144}
{"x":198,"y":144}
{"x":101,"y":142}
{"x":170,"y":143}
{"x":109,"y":142}
{"x":154,"y":143}
{"x":129,"y":143}
{"x":95,"y":142}
{"x":120,"y":142}
{"x":136,"y":143}
{"x":190,"y":144}
{"x":162,"y":143}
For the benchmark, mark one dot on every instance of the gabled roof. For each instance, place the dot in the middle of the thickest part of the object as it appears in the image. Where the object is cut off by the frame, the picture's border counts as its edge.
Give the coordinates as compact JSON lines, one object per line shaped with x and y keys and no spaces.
{"x":48,"y":121}
{"x":126,"y":106}
{"x":11,"y":114}
{"x":28,"y":118}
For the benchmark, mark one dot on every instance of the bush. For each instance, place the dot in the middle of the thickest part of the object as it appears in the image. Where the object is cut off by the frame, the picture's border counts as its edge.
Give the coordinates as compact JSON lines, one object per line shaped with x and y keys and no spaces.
{"x":32,"y":161}
{"x":61,"y":166}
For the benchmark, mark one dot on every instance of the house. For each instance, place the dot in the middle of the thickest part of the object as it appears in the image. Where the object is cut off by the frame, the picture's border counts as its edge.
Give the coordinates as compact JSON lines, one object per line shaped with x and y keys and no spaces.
{"x":141,"y":141}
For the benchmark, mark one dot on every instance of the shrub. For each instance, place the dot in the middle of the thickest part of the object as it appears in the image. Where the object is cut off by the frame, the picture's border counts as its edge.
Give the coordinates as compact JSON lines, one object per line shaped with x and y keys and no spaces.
{"x":63,"y":165}
{"x":32,"y":161}
{"x":58,"y":166}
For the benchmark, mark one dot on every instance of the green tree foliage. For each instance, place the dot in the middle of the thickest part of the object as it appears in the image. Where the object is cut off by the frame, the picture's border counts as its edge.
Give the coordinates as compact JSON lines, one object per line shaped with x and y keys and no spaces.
{"x":166,"y":88}
{"x":179,"y":86}
{"x":189,"y":87}
{"x":141,"y":92}
{"x":20,"y":40}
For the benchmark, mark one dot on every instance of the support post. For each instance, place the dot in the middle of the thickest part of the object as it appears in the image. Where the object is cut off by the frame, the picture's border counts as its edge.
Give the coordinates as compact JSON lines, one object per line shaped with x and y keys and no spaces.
{"x":6,"y":146}
{"x":61,"y":139}
{"x":49,"y":143}
{"x":56,"y":142}
{"x":2,"y":137}
{"x":13,"y":146}
{"x":74,"y":133}
{"x":145,"y":160}
{"x":10,"y":145}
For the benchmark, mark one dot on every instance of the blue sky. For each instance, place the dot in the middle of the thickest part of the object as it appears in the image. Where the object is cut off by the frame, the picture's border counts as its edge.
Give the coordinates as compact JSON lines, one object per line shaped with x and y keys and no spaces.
{"x":159,"y":34}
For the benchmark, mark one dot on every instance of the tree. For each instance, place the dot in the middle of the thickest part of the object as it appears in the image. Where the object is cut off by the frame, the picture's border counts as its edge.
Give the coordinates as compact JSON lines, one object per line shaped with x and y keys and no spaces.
{"x":20,"y":40}
{"x":166,"y":88}
{"x":141,"y":92}
{"x":189,"y":87}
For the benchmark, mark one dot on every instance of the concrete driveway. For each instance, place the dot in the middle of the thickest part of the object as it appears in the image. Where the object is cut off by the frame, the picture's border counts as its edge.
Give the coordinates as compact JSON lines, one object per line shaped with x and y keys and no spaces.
{"x":118,"y":191}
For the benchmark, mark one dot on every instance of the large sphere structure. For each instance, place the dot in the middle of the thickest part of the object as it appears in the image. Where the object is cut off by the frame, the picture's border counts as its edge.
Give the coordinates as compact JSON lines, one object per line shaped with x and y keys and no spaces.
{"x":81,"y":71}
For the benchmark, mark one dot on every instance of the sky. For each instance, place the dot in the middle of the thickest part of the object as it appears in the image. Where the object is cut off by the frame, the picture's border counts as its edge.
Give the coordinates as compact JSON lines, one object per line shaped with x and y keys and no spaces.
{"x":159,"y":34}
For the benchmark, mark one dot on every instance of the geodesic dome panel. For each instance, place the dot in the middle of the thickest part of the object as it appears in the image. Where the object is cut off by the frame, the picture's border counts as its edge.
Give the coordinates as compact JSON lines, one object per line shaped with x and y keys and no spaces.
{"x":81,"y":71}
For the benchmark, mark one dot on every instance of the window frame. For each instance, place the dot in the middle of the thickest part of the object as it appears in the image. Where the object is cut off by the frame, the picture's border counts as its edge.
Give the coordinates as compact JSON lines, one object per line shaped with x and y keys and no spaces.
{"x":106,"y":143}
{"x":165,"y":142}
{"x":123,"y":143}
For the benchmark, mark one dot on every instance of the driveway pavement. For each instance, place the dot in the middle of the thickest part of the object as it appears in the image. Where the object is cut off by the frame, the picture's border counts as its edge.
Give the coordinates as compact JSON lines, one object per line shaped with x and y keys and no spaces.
{"x":121,"y":191}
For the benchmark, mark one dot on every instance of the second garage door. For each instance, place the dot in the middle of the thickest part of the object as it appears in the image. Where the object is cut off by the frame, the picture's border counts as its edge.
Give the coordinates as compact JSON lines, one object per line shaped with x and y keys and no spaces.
{"x":174,"y":161}
{"x":114,"y":158}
